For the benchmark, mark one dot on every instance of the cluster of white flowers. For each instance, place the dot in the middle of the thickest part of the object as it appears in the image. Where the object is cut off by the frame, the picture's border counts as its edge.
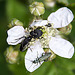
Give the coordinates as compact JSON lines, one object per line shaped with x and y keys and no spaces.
{"x":61,"y":18}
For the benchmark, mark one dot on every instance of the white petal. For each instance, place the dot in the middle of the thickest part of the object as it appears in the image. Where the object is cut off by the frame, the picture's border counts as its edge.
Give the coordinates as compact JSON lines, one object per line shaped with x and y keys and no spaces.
{"x":14,"y":40}
{"x":32,"y":53}
{"x":39,"y":23}
{"x":16,"y":31}
{"x":15,"y":35}
{"x":61,"y":47}
{"x":61,"y":18}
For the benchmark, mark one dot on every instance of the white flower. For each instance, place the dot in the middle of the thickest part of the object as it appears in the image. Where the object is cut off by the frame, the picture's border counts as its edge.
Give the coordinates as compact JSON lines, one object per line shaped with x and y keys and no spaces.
{"x":15,"y":35}
{"x":61,"y":18}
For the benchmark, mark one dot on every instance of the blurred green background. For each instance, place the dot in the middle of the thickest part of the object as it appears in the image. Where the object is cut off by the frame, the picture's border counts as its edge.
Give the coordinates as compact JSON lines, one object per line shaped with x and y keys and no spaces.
{"x":20,"y":9}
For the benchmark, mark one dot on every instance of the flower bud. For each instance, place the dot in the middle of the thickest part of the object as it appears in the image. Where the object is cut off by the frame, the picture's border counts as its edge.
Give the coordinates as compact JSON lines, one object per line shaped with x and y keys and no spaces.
{"x":53,"y":55}
{"x":37,"y":8}
{"x":66,"y":30}
{"x":15,"y":22}
{"x":50,"y":3}
{"x":11,"y":55}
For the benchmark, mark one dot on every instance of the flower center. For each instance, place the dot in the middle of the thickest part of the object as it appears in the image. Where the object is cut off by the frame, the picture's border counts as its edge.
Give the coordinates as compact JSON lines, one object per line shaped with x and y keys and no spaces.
{"x":47,"y":33}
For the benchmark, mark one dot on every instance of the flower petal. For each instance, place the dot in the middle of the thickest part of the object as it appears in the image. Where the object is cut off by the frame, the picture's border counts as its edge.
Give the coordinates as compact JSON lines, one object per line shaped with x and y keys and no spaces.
{"x":61,"y":18}
{"x":16,"y":31}
{"x":39,"y":23}
{"x":61,"y":47}
{"x":32,"y":53}
{"x":15,"y":35}
{"x":14,"y":40}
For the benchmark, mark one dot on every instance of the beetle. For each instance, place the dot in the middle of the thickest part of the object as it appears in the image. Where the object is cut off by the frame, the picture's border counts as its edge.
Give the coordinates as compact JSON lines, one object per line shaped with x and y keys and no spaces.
{"x":33,"y":34}
{"x":44,"y":57}
{"x":36,"y":33}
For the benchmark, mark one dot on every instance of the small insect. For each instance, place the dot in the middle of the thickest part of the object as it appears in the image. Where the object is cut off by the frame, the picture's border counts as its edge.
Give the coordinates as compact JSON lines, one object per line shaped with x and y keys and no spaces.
{"x":33,"y":34}
{"x":34,"y":58}
{"x":44,"y":57}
